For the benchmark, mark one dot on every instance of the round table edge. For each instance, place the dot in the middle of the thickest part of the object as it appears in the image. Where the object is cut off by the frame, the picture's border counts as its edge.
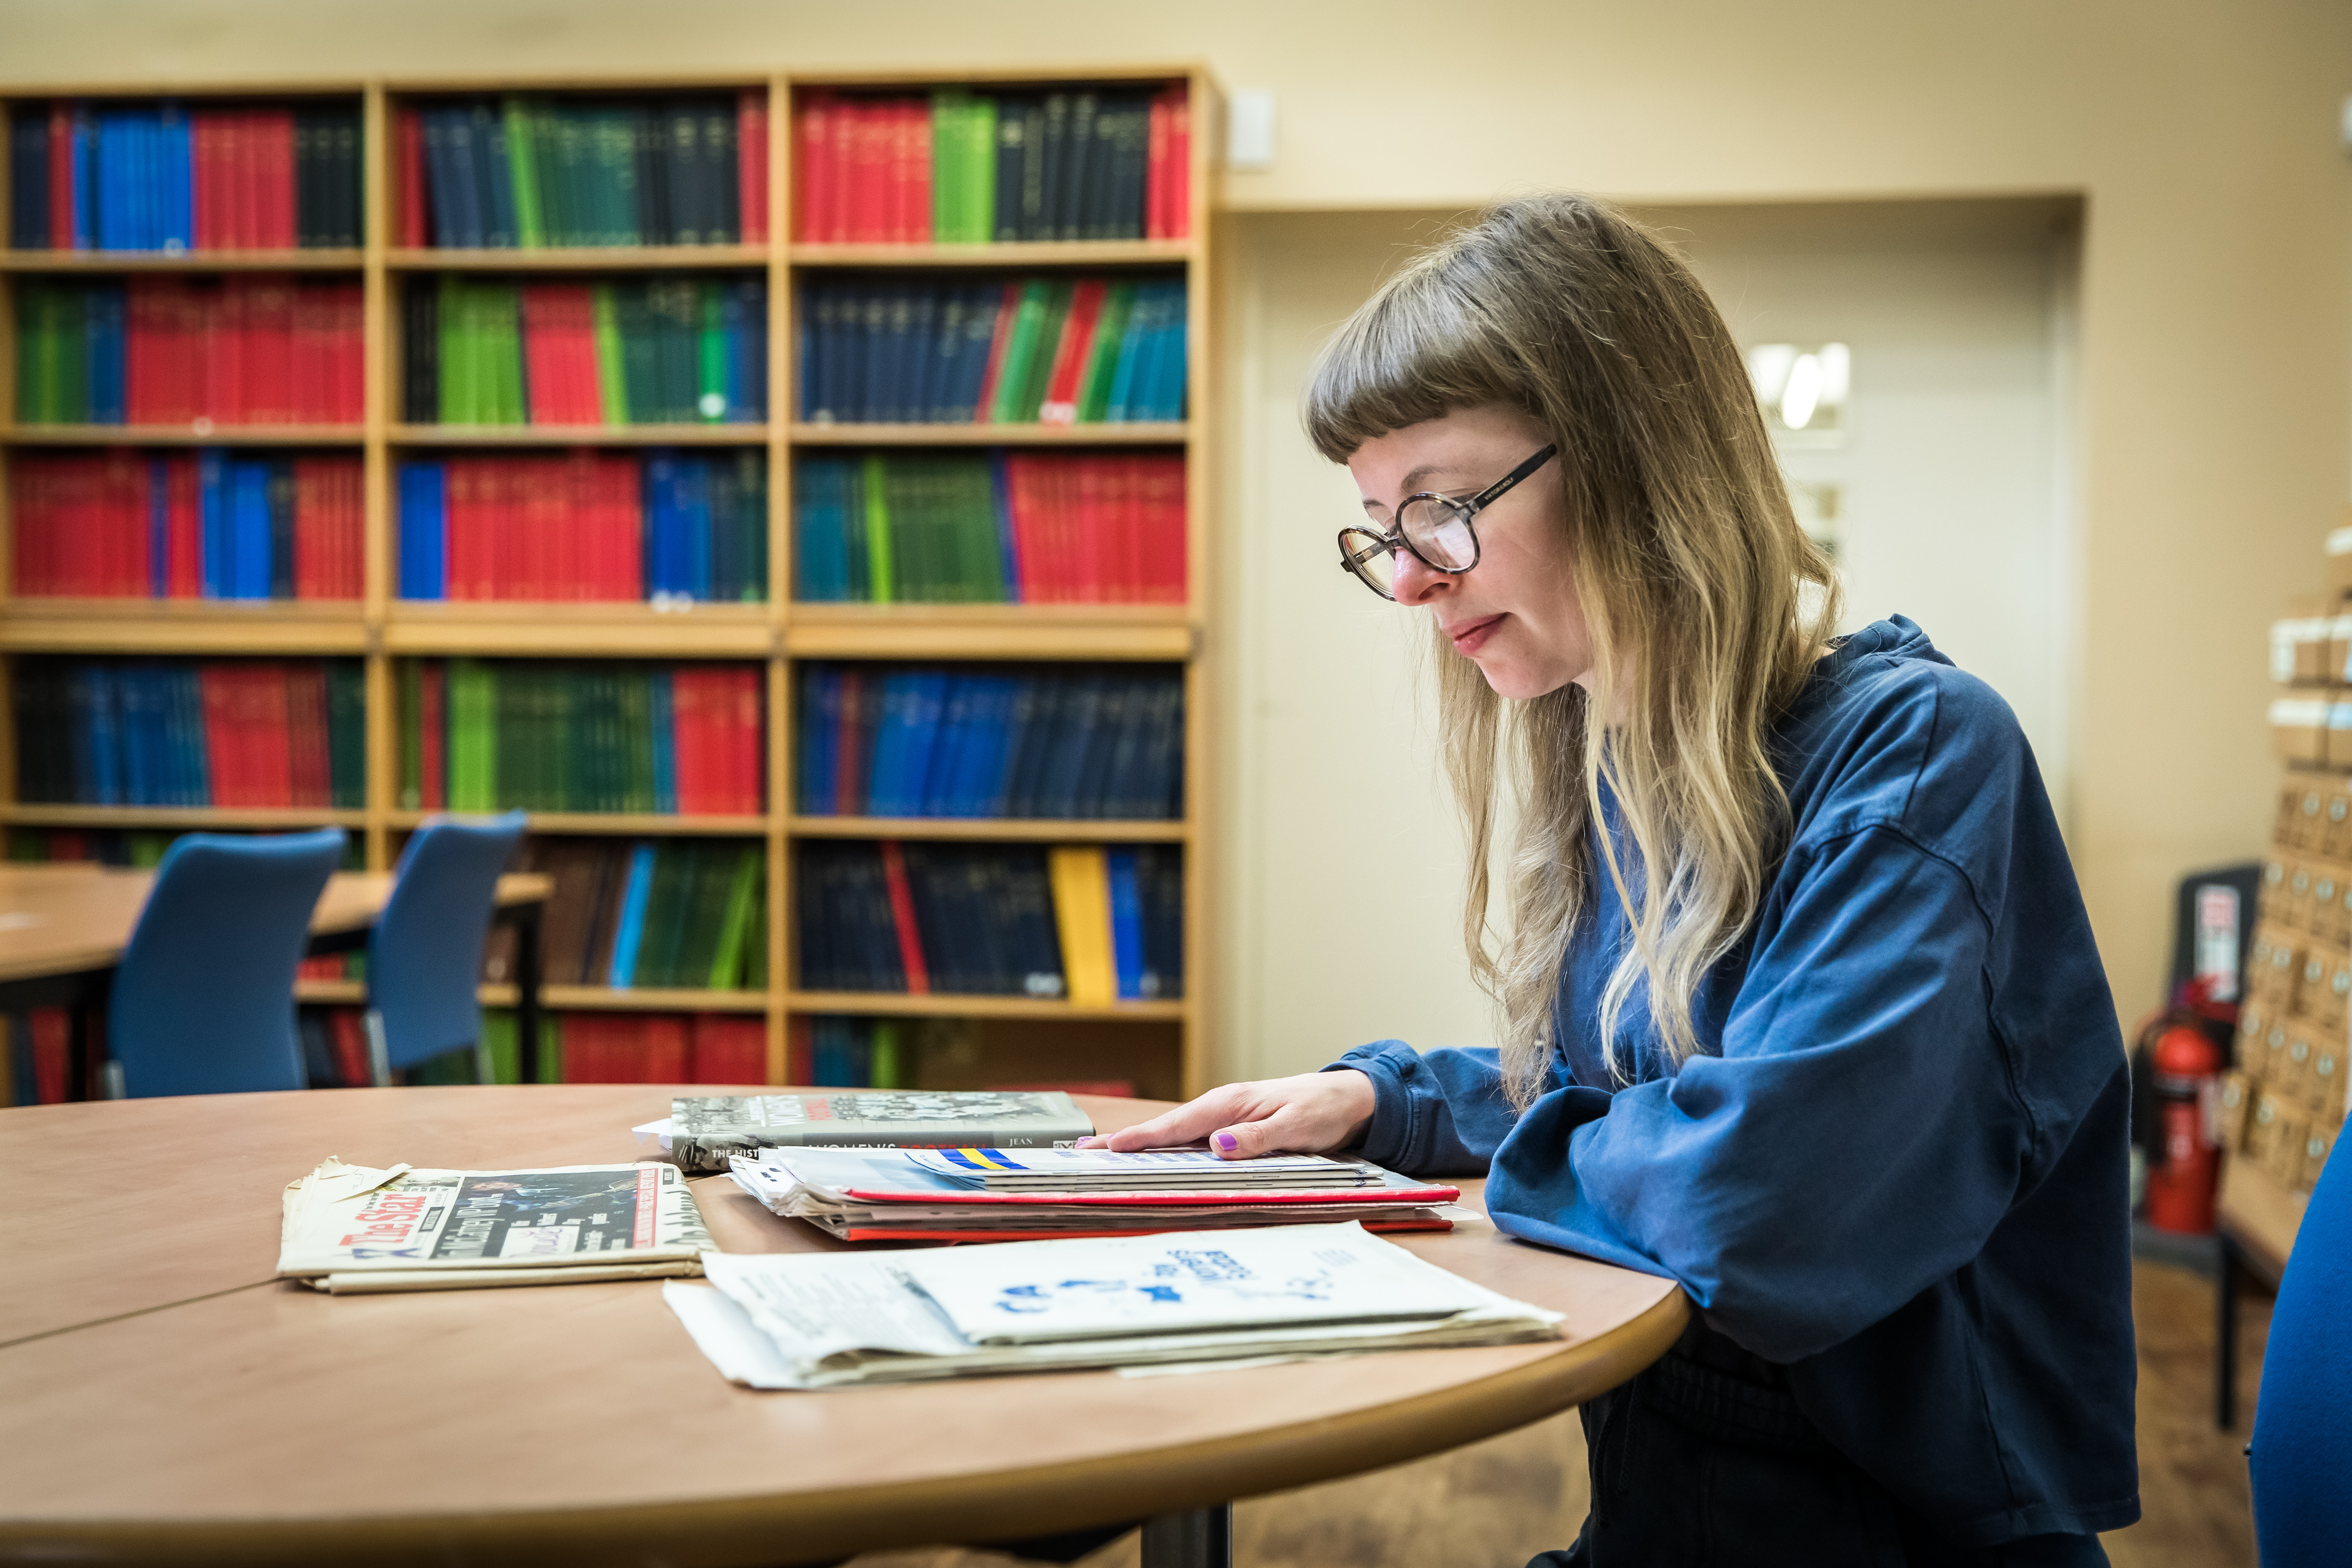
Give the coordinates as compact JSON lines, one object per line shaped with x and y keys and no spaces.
{"x":968,"y":1509}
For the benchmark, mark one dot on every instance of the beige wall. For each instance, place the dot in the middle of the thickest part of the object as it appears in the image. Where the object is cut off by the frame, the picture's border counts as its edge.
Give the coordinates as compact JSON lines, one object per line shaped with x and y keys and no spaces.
{"x":2216,"y":369}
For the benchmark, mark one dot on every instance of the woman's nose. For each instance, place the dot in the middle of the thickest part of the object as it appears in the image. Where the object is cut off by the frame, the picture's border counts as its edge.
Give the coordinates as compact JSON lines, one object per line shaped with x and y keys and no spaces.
{"x":1416,"y":583}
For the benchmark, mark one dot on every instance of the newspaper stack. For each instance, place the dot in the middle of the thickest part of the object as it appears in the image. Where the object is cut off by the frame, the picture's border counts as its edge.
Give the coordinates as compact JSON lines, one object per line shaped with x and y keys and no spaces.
{"x":940,"y":1195}
{"x":702,"y":1133}
{"x":829,"y":1319}
{"x":354,"y":1228}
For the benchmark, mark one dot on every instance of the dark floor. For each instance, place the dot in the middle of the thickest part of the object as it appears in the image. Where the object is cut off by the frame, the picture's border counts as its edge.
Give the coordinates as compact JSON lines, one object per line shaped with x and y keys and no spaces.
{"x":1496,"y":1504}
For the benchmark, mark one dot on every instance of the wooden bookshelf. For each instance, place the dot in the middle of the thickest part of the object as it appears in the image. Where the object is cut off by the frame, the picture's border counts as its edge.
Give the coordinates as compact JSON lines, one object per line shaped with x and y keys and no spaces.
{"x":381,"y":629}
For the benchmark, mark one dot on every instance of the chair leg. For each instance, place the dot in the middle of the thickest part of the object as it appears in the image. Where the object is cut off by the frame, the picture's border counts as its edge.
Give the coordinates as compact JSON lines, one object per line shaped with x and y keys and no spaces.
{"x":379,"y":1052}
{"x":109,"y":1081}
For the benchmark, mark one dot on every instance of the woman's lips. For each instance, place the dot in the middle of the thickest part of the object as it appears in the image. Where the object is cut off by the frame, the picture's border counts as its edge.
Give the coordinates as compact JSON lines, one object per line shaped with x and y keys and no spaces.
{"x":1470,"y":636}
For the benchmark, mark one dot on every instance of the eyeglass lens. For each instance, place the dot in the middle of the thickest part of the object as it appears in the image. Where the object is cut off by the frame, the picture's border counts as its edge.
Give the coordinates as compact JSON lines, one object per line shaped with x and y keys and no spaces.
{"x":1440,"y":530}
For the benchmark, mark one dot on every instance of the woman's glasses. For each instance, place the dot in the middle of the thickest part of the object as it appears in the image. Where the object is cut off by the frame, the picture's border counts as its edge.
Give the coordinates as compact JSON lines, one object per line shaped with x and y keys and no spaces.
{"x":1436,"y":529}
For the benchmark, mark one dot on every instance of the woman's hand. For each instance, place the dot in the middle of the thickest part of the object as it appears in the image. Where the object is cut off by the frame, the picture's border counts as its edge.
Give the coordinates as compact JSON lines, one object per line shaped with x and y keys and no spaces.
{"x":1304,"y":1115}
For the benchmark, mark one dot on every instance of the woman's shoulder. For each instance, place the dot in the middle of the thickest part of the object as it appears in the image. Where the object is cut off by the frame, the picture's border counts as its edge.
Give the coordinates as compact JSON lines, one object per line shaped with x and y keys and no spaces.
{"x":1888,"y":732}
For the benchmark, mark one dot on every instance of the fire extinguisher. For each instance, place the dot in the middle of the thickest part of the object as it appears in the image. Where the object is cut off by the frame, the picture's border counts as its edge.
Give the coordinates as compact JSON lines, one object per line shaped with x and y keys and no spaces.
{"x":2181,"y":1180}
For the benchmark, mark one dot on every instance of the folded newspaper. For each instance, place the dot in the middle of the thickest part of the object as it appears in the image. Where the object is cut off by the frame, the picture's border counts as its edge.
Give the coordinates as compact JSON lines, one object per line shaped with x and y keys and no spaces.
{"x":702,"y":1133}
{"x":926,"y":1195}
{"x":827,"y":1320}
{"x":356,"y":1228}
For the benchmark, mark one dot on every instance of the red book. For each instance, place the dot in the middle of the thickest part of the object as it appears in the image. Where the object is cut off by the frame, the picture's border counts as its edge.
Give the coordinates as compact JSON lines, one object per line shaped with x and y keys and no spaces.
{"x":1007,"y":309}
{"x":1155,"y":166}
{"x":751,"y":739}
{"x":432,"y":730}
{"x":217,"y":685}
{"x":902,"y":916}
{"x":269,"y":352}
{"x":347,"y":1039}
{"x":306,"y":776}
{"x":1070,"y":355}
{"x":468,"y":572}
{"x":662,"y":1051}
{"x":272,"y":735}
{"x":183,"y":528}
{"x":625,"y":501}
{"x":274,"y":178}
{"x":127,"y":538}
{"x":799,"y":1045}
{"x":911,"y":170}
{"x":869,"y":124}
{"x":311,"y":525}
{"x":541,"y":354}
{"x":1180,"y":163}
{"x":203,"y":192}
{"x":1160,"y":496}
{"x":61,"y":177}
{"x":52,"y":1031}
{"x":408,"y":143}
{"x":751,"y":164}
{"x":729,"y":1048}
{"x":309,"y":343}
{"x":1090,"y":576}
{"x":1021,"y":498}
{"x":818,"y":184}
{"x":690,"y":722}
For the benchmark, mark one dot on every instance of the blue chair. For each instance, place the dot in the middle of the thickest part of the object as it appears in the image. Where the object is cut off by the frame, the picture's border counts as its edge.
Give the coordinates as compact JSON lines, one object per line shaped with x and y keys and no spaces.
{"x":202,"y":1002}
{"x":2303,"y":1418}
{"x":425,"y":957}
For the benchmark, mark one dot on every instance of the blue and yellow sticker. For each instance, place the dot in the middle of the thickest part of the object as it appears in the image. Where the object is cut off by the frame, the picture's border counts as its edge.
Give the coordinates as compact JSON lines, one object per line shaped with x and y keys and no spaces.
{"x":983,"y":1158}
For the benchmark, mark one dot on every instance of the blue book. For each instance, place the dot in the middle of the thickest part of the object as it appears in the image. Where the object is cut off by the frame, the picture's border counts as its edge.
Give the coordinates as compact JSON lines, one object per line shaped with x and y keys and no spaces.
{"x":28,"y":186}
{"x":102,"y":309}
{"x":158,"y":528}
{"x":926,"y":712}
{"x":496,"y":176}
{"x":175,"y":181}
{"x":886,"y":770}
{"x":132,"y":688}
{"x":692,"y":505}
{"x":1132,"y":341}
{"x":629,"y":931}
{"x":465,"y":194}
{"x":112,"y":135}
{"x":661,"y":550}
{"x":973,"y":786}
{"x":248,"y":529}
{"x":423,"y":531}
{"x":753,"y":407}
{"x":821,"y":528}
{"x":948,"y":745}
{"x":104,"y":715}
{"x":820,"y":722}
{"x":191,"y":760}
{"x":1126,"y":925}
{"x":665,"y":727}
{"x":213,"y":531}
{"x":1168,"y":397}
{"x":84,"y":206}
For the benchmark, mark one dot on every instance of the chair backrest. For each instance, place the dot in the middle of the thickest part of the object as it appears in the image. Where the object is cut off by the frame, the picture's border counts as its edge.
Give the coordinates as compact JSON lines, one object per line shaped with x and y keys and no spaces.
{"x":2303,"y":1418}
{"x":425,"y":959}
{"x":202,"y":1002}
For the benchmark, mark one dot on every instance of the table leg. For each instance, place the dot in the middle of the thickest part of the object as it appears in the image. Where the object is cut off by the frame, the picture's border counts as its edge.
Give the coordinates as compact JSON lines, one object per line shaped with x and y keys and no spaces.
{"x":1196,"y":1538}
{"x":526,"y":920}
{"x":2225,"y":1336}
{"x":79,"y":1083}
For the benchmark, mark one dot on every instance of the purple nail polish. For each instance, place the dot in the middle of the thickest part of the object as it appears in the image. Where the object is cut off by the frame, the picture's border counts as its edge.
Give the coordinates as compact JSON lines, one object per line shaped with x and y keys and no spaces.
{"x":1228,"y":1143}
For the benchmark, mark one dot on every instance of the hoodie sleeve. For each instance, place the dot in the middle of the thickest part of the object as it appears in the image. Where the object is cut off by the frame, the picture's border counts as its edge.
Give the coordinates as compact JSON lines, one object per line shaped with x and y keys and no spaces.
{"x":1857,"y":1139}
{"x":1442,"y":1112}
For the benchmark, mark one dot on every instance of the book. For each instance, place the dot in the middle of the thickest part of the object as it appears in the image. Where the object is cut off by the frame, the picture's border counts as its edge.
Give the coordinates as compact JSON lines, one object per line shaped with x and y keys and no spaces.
{"x":883,"y":349}
{"x":834,"y":1319}
{"x":704,"y":1133}
{"x":982,"y":919}
{"x":1088,"y":1170}
{"x":352,"y":1229}
{"x":967,"y":167}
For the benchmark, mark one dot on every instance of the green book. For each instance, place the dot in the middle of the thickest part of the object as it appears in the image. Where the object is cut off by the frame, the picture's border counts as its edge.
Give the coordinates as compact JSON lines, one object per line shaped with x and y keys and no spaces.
{"x":614,"y":173}
{"x":1102,"y":359}
{"x":983,"y":548}
{"x":40,"y":356}
{"x":612,"y":376}
{"x":714,"y":898}
{"x":670,"y":310}
{"x":473,"y":759}
{"x":522,"y":168}
{"x":735,"y":923}
{"x":668,"y":907}
{"x":412,"y":736}
{"x":346,"y":734}
{"x":1020,"y":351}
{"x":710,"y":356}
{"x":887,"y":1065}
{"x":571,"y":155}
{"x":69,"y":356}
{"x":980,"y":170}
{"x":879,"y":577}
{"x":1040,"y":367}
{"x":633,"y":323}
{"x":755,"y":940}
{"x":634,"y":734}
{"x":546,"y":166}
{"x":963,"y":168}
{"x":456,"y":375}
{"x":506,"y":327}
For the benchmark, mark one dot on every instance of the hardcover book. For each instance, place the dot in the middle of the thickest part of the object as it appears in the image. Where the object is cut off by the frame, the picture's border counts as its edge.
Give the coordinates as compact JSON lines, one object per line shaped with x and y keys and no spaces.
{"x":703,"y":1132}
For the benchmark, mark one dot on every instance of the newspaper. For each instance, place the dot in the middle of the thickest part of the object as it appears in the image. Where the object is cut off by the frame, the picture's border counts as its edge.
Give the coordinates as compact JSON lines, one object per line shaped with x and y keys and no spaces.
{"x":1152,"y":1169}
{"x":358,"y":1228}
{"x":830,"y":1320}
{"x":701,"y":1133}
{"x":881,"y":1195}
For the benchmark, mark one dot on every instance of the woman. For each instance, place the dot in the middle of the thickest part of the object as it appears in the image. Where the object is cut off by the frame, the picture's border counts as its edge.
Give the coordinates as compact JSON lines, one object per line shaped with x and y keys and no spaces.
{"x":1798,"y":1001}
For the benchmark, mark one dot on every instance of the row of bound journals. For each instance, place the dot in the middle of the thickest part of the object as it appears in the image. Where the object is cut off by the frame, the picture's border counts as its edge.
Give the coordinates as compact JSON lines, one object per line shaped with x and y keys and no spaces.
{"x":187,"y":525}
{"x":667,"y":527}
{"x":248,"y":349}
{"x":997,"y":528}
{"x":591,"y":736}
{"x":1090,"y":924}
{"x":1057,"y":744}
{"x":1049,"y":350}
{"x":671,"y":913}
{"x":161,"y":176}
{"x":154,"y":733}
{"x":527,"y":171}
{"x":655,"y":351}
{"x":966,"y":168}
{"x":573,"y":1048}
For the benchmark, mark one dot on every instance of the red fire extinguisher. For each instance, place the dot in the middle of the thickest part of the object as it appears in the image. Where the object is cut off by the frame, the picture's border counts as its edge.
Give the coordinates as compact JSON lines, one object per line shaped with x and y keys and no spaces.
{"x":2180,"y":1184}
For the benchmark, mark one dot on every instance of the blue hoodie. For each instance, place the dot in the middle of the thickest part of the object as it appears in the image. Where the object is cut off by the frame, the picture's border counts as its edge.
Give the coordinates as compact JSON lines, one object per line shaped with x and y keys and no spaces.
{"x":1898,"y":1162}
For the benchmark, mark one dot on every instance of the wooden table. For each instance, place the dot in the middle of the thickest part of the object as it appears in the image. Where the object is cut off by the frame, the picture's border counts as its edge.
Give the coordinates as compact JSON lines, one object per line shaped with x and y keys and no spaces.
{"x":63,"y":929}
{"x":163,"y":1399}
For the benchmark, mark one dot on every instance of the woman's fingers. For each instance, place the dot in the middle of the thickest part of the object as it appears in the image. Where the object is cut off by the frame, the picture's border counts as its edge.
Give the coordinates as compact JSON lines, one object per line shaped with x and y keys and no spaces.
{"x":1187,"y":1123}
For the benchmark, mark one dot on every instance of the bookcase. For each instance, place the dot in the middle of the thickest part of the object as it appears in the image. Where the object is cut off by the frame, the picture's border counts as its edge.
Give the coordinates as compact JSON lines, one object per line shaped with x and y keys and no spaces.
{"x":210,"y":168}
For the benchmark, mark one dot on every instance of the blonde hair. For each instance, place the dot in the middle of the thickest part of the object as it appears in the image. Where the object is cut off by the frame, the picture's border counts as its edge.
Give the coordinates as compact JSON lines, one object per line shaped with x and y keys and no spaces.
{"x":1691,"y":572}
